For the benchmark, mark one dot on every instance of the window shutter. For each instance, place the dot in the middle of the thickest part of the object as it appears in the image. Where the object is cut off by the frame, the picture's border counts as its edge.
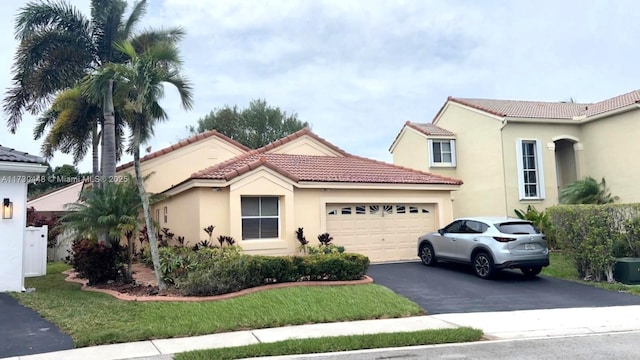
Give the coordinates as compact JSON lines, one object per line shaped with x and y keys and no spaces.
{"x":540,"y":170}
{"x":453,"y":152}
{"x":520,"y":169}
{"x":430,"y":144}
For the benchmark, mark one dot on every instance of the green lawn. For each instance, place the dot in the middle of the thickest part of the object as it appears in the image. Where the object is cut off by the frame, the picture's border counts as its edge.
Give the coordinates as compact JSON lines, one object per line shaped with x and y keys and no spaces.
{"x":337,"y":343}
{"x":94,"y":318}
{"x":562,"y":268}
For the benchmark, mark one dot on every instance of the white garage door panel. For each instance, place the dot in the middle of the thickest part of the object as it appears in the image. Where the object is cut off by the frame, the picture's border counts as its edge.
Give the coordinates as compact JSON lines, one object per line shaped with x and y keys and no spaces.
{"x":383,"y":232}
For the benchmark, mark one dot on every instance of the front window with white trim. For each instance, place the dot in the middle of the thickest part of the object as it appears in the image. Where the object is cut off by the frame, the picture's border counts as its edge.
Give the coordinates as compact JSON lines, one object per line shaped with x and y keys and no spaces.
{"x":260,"y":217}
{"x":442,"y":152}
{"x":530,"y":169}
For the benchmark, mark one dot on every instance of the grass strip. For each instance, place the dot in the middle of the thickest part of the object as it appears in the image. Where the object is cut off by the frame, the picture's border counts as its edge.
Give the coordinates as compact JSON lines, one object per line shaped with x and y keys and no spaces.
{"x":337,"y":343}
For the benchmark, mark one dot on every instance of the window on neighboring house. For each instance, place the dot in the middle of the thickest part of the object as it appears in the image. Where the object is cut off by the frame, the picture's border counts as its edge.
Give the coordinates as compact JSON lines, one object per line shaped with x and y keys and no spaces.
{"x":260,"y":217}
{"x":166,"y":214}
{"x":442,"y":152}
{"x":530,"y":169}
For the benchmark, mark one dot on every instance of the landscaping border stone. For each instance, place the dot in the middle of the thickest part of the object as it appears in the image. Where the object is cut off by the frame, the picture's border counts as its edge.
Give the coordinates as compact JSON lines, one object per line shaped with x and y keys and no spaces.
{"x":72,"y":277}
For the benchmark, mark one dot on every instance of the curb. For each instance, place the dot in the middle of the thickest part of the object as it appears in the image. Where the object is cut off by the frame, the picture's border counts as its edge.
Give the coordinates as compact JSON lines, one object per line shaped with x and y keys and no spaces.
{"x":71,"y":277}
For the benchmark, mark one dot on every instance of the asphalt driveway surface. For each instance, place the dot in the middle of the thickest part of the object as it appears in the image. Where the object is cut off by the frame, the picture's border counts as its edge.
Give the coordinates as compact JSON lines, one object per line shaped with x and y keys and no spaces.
{"x":453,"y":288}
{"x":24,"y":332}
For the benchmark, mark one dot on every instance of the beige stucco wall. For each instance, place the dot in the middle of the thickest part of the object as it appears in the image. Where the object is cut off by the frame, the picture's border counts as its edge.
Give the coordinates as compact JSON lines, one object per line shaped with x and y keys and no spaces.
{"x":177,"y":165}
{"x":610,"y":151}
{"x":183,"y":217}
{"x":545,"y":133}
{"x":305,"y":146}
{"x":478,"y":160}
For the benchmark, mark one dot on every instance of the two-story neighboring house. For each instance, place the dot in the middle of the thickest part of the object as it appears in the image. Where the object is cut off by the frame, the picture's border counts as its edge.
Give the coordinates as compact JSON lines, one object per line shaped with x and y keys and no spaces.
{"x":514,"y":153}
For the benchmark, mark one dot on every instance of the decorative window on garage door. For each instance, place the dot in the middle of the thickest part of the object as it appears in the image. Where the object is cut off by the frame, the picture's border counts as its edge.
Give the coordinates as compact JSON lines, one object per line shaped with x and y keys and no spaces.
{"x":377,"y":209}
{"x":260,"y":217}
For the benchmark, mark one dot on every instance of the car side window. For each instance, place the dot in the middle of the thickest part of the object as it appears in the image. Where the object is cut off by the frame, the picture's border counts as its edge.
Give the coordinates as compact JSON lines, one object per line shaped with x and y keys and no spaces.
{"x":455,"y":227}
{"x":475,"y":227}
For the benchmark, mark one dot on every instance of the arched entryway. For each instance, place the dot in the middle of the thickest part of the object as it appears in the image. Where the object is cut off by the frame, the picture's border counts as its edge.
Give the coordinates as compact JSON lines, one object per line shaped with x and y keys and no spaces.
{"x":566,"y":168}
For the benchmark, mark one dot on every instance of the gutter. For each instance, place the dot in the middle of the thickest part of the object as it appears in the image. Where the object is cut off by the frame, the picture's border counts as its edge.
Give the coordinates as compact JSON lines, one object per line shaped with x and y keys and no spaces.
{"x":33,"y":168}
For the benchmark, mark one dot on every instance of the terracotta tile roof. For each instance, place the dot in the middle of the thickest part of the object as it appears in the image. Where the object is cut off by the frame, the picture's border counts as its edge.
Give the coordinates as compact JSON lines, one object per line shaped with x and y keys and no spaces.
{"x":347,"y":169}
{"x":429,"y":129}
{"x":548,"y":110}
{"x":183,"y":143}
{"x":11,"y":155}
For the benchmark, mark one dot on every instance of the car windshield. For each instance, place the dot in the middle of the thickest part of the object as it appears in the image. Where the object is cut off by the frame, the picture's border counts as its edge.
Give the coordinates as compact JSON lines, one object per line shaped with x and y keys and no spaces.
{"x":517,"y":228}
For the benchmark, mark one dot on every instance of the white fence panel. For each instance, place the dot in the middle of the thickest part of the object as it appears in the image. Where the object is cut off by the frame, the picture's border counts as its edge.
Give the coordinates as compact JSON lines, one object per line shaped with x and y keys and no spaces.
{"x":35,"y":251}
{"x":62,"y":249}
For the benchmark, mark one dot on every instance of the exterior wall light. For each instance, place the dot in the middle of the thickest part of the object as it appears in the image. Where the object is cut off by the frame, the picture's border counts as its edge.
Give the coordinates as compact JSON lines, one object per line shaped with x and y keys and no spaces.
{"x":7,"y":209}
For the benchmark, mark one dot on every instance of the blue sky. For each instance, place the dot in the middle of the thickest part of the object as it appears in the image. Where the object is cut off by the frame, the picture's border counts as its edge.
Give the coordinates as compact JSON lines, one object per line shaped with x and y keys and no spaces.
{"x":357,"y":70}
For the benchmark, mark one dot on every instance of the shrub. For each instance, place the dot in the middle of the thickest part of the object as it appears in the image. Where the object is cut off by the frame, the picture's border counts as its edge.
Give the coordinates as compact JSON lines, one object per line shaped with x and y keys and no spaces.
{"x":94,"y":262}
{"x":245,"y":271}
{"x":177,"y":261}
{"x":325,"y":249}
{"x":594,"y":235}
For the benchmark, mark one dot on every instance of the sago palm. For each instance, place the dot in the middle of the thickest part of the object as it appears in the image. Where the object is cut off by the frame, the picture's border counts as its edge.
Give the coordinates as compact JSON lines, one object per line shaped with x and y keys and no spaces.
{"x":139,"y":84}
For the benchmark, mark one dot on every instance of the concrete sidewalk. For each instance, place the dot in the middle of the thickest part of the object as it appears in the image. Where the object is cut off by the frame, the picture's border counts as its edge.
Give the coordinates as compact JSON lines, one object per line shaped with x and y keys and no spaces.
{"x":496,"y":325}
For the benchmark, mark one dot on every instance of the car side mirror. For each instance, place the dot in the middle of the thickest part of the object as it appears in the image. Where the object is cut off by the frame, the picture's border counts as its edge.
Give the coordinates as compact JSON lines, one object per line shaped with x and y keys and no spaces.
{"x":441,"y":231}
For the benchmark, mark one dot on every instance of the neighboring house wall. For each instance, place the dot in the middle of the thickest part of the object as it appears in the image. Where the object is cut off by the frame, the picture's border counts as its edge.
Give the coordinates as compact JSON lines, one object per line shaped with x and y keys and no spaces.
{"x":12,"y":232}
{"x":543,"y":135}
{"x":177,"y":165}
{"x":610,"y":150}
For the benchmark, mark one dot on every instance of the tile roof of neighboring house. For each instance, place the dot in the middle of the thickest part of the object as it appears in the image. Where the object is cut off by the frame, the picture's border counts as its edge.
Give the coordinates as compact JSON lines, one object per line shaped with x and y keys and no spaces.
{"x":549,"y":110}
{"x":346,"y":168}
{"x":429,"y":129}
{"x":12,"y":155}
{"x":183,"y":143}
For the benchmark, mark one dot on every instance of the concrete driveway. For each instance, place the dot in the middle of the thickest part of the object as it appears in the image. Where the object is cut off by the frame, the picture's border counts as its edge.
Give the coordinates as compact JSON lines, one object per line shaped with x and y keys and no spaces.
{"x":453,"y":288}
{"x":24,"y":332}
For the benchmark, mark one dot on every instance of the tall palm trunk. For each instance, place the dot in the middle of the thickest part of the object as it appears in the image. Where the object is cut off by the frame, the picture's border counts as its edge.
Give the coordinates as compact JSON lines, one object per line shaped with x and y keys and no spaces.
{"x":95,"y":141}
{"x":153,"y":240}
{"x":109,"y":134}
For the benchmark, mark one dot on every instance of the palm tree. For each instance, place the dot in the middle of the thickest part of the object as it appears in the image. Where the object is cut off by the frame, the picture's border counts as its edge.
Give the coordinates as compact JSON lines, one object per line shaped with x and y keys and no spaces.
{"x":140,"y":85}
{"x":72,"y":123}
{"x":59,"y":46}
{"x":587,"y":191}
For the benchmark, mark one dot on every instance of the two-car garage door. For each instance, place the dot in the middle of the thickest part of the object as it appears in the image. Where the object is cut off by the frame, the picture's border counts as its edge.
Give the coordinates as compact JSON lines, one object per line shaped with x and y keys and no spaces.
{"x":383,"y":232}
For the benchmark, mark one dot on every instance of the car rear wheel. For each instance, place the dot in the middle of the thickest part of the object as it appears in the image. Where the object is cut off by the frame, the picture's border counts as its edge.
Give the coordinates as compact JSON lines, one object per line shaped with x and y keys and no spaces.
{"x":427,"y":256}
{"x":483,"y":265}
{"x":531,"y":271}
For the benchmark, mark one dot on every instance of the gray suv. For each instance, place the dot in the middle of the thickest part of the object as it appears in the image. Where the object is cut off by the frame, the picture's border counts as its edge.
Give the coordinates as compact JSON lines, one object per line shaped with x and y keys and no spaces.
{"x":488,"y":244}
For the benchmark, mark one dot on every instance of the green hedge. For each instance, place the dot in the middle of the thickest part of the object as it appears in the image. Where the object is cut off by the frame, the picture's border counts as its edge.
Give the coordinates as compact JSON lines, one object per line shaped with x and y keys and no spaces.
{"x":593,"y":236}
{"x":245,"y":271}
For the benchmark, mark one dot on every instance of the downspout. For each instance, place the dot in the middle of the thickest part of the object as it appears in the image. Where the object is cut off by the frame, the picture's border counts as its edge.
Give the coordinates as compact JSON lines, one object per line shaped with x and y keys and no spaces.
{"x":504,"y":170}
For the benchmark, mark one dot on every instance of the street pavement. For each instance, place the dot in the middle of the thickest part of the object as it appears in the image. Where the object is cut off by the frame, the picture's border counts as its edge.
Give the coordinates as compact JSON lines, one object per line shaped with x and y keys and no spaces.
{"x":505,"y":325}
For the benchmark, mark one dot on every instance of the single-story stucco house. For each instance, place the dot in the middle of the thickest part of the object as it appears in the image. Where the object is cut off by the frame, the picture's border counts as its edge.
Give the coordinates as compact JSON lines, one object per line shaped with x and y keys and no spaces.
{"x":261,"y":197}
{"x":513,"y":153}
{"x":16,"y":170}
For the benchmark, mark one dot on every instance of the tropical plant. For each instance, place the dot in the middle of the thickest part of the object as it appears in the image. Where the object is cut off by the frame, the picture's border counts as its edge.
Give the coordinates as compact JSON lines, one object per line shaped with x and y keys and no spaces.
{"x":325,"y":239}
{"x":139,"y":86}
{"x":587,"y":191}
{"x":255,"y":126}
{"x":539,"y":218}
{"x":113,"y":209}
{"x":58,"y":47}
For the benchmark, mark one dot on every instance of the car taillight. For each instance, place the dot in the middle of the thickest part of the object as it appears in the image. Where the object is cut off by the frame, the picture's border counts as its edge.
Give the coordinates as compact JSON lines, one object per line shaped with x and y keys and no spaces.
{"x":503,"y":239}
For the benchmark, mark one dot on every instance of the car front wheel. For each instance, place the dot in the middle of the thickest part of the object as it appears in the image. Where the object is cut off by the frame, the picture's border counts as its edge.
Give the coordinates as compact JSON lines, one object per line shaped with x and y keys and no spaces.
{"x":483,"y":265}
{"x":531,"y":271}
{"x":427,"y":256}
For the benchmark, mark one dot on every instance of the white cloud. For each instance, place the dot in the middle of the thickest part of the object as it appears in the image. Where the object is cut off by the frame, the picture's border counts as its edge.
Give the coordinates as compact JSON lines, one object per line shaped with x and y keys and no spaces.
{"x":357,"y":70}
